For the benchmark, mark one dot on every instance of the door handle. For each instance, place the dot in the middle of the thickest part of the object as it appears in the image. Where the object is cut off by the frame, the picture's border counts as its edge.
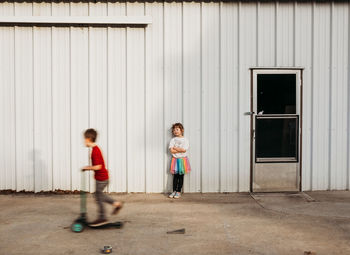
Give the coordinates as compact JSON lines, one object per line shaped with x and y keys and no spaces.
{"x":249,"y":113}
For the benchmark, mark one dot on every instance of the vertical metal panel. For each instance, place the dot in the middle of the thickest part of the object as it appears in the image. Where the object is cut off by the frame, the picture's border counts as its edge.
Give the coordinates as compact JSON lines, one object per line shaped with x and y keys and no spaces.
{"x":229,"y":97}
{"x":154,"y":99}
{"x":79,"y":79}
{"x":61,"y":101}
{"x":192,"y":91}
{"x":339,"y":96}
{"x":7,"y":105}
{"x":266,"y":40}
{"x":136,"y":103}
{"x":210,"y":97}
{"x":98,"y":80}
{"x":247,"y":58}
{"x":117,"y":102}
{"x":42,"y":102}
{"x":320,"y":93}
{"x":172,"y":76}
{"x":192,"y":65}
{"x":285,"y":34}
{"x":24,"y":101}
{"x":348,"y":109}
{"x":303,"y":57}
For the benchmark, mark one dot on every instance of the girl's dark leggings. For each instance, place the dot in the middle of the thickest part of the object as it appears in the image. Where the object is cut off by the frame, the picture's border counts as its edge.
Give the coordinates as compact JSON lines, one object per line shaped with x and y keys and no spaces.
{"x":178,"y":182}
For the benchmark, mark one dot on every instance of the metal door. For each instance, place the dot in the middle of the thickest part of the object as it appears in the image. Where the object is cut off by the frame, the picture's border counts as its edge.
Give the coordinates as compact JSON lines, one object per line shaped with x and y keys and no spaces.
{"x":275,"y":116}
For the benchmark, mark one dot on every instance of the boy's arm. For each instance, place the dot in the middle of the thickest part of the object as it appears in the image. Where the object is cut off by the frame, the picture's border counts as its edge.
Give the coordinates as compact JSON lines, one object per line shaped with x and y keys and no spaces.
{"x":93,"y":168}
{"x":96,"y":159}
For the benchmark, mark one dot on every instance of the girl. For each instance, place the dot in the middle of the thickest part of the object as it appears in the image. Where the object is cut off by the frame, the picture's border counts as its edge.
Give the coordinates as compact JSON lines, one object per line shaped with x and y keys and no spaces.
{"x":179,"y":163}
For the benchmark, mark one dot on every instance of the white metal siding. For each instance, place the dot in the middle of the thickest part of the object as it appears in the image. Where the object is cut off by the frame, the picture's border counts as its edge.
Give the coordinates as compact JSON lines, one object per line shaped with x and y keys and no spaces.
{"x":190,"y":65}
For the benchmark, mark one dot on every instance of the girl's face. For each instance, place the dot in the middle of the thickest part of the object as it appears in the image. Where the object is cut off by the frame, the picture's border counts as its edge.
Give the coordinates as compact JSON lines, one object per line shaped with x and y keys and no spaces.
{"x":177,"y":131}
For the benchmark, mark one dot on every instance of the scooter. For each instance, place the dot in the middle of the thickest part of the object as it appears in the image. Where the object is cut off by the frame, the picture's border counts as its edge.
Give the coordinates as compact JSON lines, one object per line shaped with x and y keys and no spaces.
{"x":81,"y":223}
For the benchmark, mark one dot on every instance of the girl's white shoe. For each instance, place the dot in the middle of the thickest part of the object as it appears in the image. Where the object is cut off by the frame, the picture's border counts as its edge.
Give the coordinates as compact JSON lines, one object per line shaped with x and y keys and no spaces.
{"x":172,"y":195}
{"x":177,"y":195}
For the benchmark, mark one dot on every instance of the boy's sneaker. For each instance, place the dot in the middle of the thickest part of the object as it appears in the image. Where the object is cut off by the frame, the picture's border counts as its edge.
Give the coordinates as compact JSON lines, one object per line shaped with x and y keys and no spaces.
{"x":98,"y":222}
{"x":177,"y":195}
{"x":172,"y":195}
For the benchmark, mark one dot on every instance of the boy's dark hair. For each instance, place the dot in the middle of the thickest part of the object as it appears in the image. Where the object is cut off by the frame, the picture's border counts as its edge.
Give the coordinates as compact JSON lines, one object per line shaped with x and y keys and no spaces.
{"x":90,"y":134}
{"x":178,"y":125}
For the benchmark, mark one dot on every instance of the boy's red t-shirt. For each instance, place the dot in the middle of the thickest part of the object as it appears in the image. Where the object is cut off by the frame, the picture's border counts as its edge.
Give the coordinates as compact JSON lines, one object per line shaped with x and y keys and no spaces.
{"x":97,"y":159}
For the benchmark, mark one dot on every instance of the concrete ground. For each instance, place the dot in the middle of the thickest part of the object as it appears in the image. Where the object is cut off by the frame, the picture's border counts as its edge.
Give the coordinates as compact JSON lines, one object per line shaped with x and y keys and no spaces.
{"x":269,"y":224}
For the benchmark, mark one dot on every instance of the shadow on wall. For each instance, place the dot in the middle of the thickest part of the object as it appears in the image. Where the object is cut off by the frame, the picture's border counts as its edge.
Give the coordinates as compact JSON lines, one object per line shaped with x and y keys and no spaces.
{"x":41,"y":180}
{"x":169,"y":177}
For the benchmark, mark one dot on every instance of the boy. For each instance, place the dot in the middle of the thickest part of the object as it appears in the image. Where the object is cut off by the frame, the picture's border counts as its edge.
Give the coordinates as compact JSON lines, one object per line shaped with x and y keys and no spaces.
{"x":101,"y":177}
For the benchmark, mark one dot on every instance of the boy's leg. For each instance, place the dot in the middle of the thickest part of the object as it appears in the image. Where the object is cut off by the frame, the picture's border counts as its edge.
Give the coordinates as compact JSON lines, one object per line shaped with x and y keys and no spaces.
{"x":100,"y":186}
{"x":180,"y":183}
{"x":107,"y":199}
{"x":104,"y":198}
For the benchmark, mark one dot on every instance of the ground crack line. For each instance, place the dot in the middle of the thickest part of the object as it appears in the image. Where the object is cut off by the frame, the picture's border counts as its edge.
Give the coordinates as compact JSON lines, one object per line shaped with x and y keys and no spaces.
{"x":297,"y":214}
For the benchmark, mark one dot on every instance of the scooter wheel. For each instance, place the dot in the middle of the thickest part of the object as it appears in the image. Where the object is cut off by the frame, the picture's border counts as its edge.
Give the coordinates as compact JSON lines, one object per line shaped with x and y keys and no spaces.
{"x":77,"y":227}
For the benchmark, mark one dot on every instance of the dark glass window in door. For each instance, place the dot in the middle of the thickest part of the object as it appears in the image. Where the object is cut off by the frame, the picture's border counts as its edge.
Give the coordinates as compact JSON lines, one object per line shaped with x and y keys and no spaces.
{"x":277,"y":138}
{"x":276,"y":93}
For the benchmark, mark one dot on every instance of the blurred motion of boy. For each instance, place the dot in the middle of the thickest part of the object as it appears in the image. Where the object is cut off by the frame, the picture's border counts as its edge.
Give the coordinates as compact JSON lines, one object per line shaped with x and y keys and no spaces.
{"x":101,"y":177}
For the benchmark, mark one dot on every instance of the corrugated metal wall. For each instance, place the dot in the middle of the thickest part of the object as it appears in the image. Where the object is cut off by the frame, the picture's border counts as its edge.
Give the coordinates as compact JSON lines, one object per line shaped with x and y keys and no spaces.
{"x":190,"y":65}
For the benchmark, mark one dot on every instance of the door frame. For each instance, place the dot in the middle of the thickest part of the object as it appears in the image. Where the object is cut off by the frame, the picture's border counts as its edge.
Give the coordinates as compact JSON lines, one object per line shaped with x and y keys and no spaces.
{"x":252,"y":155}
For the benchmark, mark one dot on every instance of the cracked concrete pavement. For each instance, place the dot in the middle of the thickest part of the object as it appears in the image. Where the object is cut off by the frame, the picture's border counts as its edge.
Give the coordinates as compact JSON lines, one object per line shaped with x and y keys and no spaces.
{"x":236,"y":223}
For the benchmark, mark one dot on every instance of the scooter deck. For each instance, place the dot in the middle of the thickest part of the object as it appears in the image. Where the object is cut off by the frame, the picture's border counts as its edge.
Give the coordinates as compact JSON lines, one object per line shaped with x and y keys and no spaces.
{"x":81,"y":223}
{"x":117,"y":224}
